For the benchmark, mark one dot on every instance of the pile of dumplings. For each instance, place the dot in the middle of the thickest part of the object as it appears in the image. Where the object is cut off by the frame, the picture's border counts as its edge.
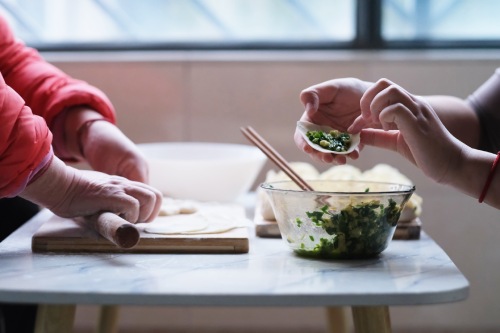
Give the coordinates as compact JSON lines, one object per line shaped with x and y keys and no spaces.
{"x":380,"y":172}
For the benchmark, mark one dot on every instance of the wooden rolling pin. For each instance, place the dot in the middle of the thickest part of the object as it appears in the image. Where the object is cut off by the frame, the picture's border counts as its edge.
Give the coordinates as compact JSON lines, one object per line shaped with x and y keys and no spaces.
{"x":115,"y":229}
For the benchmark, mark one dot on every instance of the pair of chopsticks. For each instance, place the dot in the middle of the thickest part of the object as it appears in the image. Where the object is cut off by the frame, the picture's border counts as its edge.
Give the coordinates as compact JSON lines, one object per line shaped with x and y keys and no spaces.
{"x":275,"y":157}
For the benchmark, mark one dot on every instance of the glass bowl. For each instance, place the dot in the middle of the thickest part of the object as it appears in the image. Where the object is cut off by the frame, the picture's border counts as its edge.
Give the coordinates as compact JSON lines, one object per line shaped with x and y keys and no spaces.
{"x":339,"y":219}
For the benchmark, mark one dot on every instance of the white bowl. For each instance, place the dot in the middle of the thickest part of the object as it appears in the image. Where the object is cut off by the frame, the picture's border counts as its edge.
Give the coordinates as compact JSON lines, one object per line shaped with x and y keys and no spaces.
{"x":202,"y":171}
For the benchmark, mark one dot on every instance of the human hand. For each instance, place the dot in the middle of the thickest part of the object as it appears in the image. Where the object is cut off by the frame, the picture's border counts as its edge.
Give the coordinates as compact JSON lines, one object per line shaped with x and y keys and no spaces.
{"x":394,"y":119}
{"x":69,"y":192}
{"x":333,"y":103}
{"x":88,"y":135}
{"x":108,"y":150}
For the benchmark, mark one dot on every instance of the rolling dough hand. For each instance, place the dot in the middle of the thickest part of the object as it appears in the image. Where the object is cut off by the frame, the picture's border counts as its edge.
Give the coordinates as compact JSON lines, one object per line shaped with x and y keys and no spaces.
{"x":99,"y":197}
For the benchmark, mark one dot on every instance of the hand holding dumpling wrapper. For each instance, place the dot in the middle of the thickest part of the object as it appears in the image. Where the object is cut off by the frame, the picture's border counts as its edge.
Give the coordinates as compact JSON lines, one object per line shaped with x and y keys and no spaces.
{"x":327,"y":139}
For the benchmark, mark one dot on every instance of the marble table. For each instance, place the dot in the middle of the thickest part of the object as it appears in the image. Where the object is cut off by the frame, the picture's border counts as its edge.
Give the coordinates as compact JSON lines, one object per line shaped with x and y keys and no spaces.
{"x":407,"y":273}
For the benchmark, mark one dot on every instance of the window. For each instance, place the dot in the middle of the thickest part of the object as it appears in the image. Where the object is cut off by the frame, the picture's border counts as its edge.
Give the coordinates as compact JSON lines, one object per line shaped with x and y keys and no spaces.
{"x":443,"y":22}
{"x":252,"y":24}
{"x":181,"y":23}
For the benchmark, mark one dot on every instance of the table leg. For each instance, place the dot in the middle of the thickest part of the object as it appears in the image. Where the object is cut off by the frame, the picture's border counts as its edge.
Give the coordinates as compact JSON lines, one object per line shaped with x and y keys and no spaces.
{"x":108,"y":319}
{"x":371,"y":319}
{"x":337,"y":320}
{"x":55,"y":318}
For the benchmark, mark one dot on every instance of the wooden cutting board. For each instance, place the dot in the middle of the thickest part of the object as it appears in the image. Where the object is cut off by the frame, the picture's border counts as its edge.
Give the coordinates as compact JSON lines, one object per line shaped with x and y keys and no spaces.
{"x":67,"y":235}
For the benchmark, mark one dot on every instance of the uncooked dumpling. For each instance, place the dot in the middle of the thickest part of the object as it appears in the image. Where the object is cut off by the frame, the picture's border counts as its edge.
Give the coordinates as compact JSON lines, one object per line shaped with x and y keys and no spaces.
{"x":264,"y":205}
{"x":386,"y":173}
{"x":303,"y":169}
{"x":341,"y":172}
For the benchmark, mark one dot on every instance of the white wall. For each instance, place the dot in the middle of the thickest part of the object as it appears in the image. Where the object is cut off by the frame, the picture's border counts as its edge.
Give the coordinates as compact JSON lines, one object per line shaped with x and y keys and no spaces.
{"x":208,"y":96}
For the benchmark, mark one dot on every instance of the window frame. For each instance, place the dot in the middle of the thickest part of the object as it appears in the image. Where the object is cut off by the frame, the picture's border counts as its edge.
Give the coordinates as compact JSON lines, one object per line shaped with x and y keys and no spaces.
{"x":368,"y":36}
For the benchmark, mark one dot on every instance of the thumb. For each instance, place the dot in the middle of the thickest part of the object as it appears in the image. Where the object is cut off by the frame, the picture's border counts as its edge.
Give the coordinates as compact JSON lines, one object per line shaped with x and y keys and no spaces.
{"x":310,"y":100}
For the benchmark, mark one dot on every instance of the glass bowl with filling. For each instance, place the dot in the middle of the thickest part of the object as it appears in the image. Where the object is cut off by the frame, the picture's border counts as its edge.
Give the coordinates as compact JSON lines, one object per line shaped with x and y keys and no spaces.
{"x":339,"y":219}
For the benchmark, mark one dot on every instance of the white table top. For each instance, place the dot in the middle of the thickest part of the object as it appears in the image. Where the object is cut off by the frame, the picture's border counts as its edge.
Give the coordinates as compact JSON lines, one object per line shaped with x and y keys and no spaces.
{"x":407,"y":273}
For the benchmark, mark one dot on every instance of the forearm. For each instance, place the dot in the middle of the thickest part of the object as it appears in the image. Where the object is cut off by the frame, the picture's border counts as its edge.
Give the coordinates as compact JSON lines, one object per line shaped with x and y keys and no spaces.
{"x":458,"y":117}
{"x":69,"y":128}
{"x":50,"y":186}
{"x":471,"y":175}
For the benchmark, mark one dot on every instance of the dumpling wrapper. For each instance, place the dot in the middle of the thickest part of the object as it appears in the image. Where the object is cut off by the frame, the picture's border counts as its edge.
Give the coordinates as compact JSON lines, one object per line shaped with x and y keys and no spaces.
{"x":195,"y":224}
{"x":219,"y":223}
{"x":304,"y":127}
{"x":217,"y":228}
{"x":176,"y":224}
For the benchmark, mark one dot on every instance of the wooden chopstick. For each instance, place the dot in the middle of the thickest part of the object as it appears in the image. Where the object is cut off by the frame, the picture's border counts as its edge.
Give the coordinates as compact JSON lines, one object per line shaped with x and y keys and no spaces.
{"x":275,"y":157}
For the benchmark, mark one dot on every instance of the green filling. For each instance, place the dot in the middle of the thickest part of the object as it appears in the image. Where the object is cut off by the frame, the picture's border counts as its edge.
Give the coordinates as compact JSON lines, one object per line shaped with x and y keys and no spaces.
{"x":358,"y":230}
{"x":334,"y":140}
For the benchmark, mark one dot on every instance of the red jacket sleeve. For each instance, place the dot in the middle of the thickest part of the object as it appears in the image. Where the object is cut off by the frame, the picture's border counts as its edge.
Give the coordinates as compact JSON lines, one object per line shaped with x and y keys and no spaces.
{"x":46,"y":89}
{"x":24,"y":142}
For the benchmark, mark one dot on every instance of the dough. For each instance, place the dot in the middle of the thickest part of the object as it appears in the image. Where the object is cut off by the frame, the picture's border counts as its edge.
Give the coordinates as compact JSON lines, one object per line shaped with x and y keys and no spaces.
{"x":168,"y":210}
{"x":195,"y":224}
{"x":175,"y":207}
{"x":176,"y":224}
{"x":217,"y":228}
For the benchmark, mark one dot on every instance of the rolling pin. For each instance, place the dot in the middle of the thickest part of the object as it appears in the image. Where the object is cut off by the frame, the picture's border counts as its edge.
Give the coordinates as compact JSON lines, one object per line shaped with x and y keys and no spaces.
{"x":115,"y":229}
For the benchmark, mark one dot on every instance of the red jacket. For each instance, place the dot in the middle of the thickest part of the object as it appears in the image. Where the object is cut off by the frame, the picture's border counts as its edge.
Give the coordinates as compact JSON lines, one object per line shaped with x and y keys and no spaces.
{"x":27,"y":80}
